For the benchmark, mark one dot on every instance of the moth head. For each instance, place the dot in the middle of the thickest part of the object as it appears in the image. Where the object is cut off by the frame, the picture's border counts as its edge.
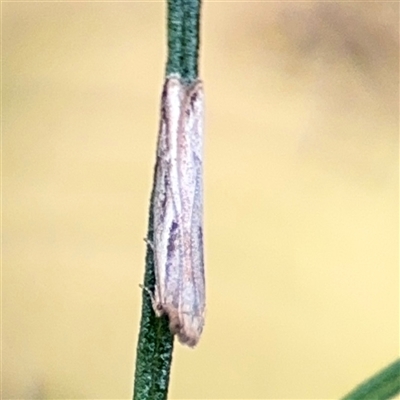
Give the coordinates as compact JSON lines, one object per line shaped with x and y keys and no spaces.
{"x":158,"y":309}
{"x":174,"y":321}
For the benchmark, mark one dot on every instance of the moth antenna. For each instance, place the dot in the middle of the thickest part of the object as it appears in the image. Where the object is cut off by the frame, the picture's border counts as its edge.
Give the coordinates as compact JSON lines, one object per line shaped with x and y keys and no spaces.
{"x":149,"y":243}
{"x":146,"y":289}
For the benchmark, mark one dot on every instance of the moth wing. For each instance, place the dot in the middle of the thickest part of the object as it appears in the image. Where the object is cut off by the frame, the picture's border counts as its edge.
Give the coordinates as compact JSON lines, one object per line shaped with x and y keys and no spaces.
{"x":166,"y":207}
{"x":192,"y":301}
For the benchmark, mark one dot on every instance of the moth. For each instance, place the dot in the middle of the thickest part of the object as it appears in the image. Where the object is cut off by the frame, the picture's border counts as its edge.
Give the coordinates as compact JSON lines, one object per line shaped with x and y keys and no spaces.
{"x":178,"y":211}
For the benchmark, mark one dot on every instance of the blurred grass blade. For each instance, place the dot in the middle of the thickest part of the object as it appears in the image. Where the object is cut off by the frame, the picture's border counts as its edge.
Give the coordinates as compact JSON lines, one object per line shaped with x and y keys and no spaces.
{"x":384,"y":385}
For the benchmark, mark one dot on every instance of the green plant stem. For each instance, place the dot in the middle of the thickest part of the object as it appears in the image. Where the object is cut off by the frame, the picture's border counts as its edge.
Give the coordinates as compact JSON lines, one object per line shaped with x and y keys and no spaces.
{"x":183,"y":38}
{"x":384,"y":385}
{"x":155,"y":342}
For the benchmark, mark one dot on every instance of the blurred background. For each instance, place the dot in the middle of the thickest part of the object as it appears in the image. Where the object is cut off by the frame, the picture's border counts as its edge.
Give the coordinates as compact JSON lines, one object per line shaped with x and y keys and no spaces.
{"x":301,"y":197}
